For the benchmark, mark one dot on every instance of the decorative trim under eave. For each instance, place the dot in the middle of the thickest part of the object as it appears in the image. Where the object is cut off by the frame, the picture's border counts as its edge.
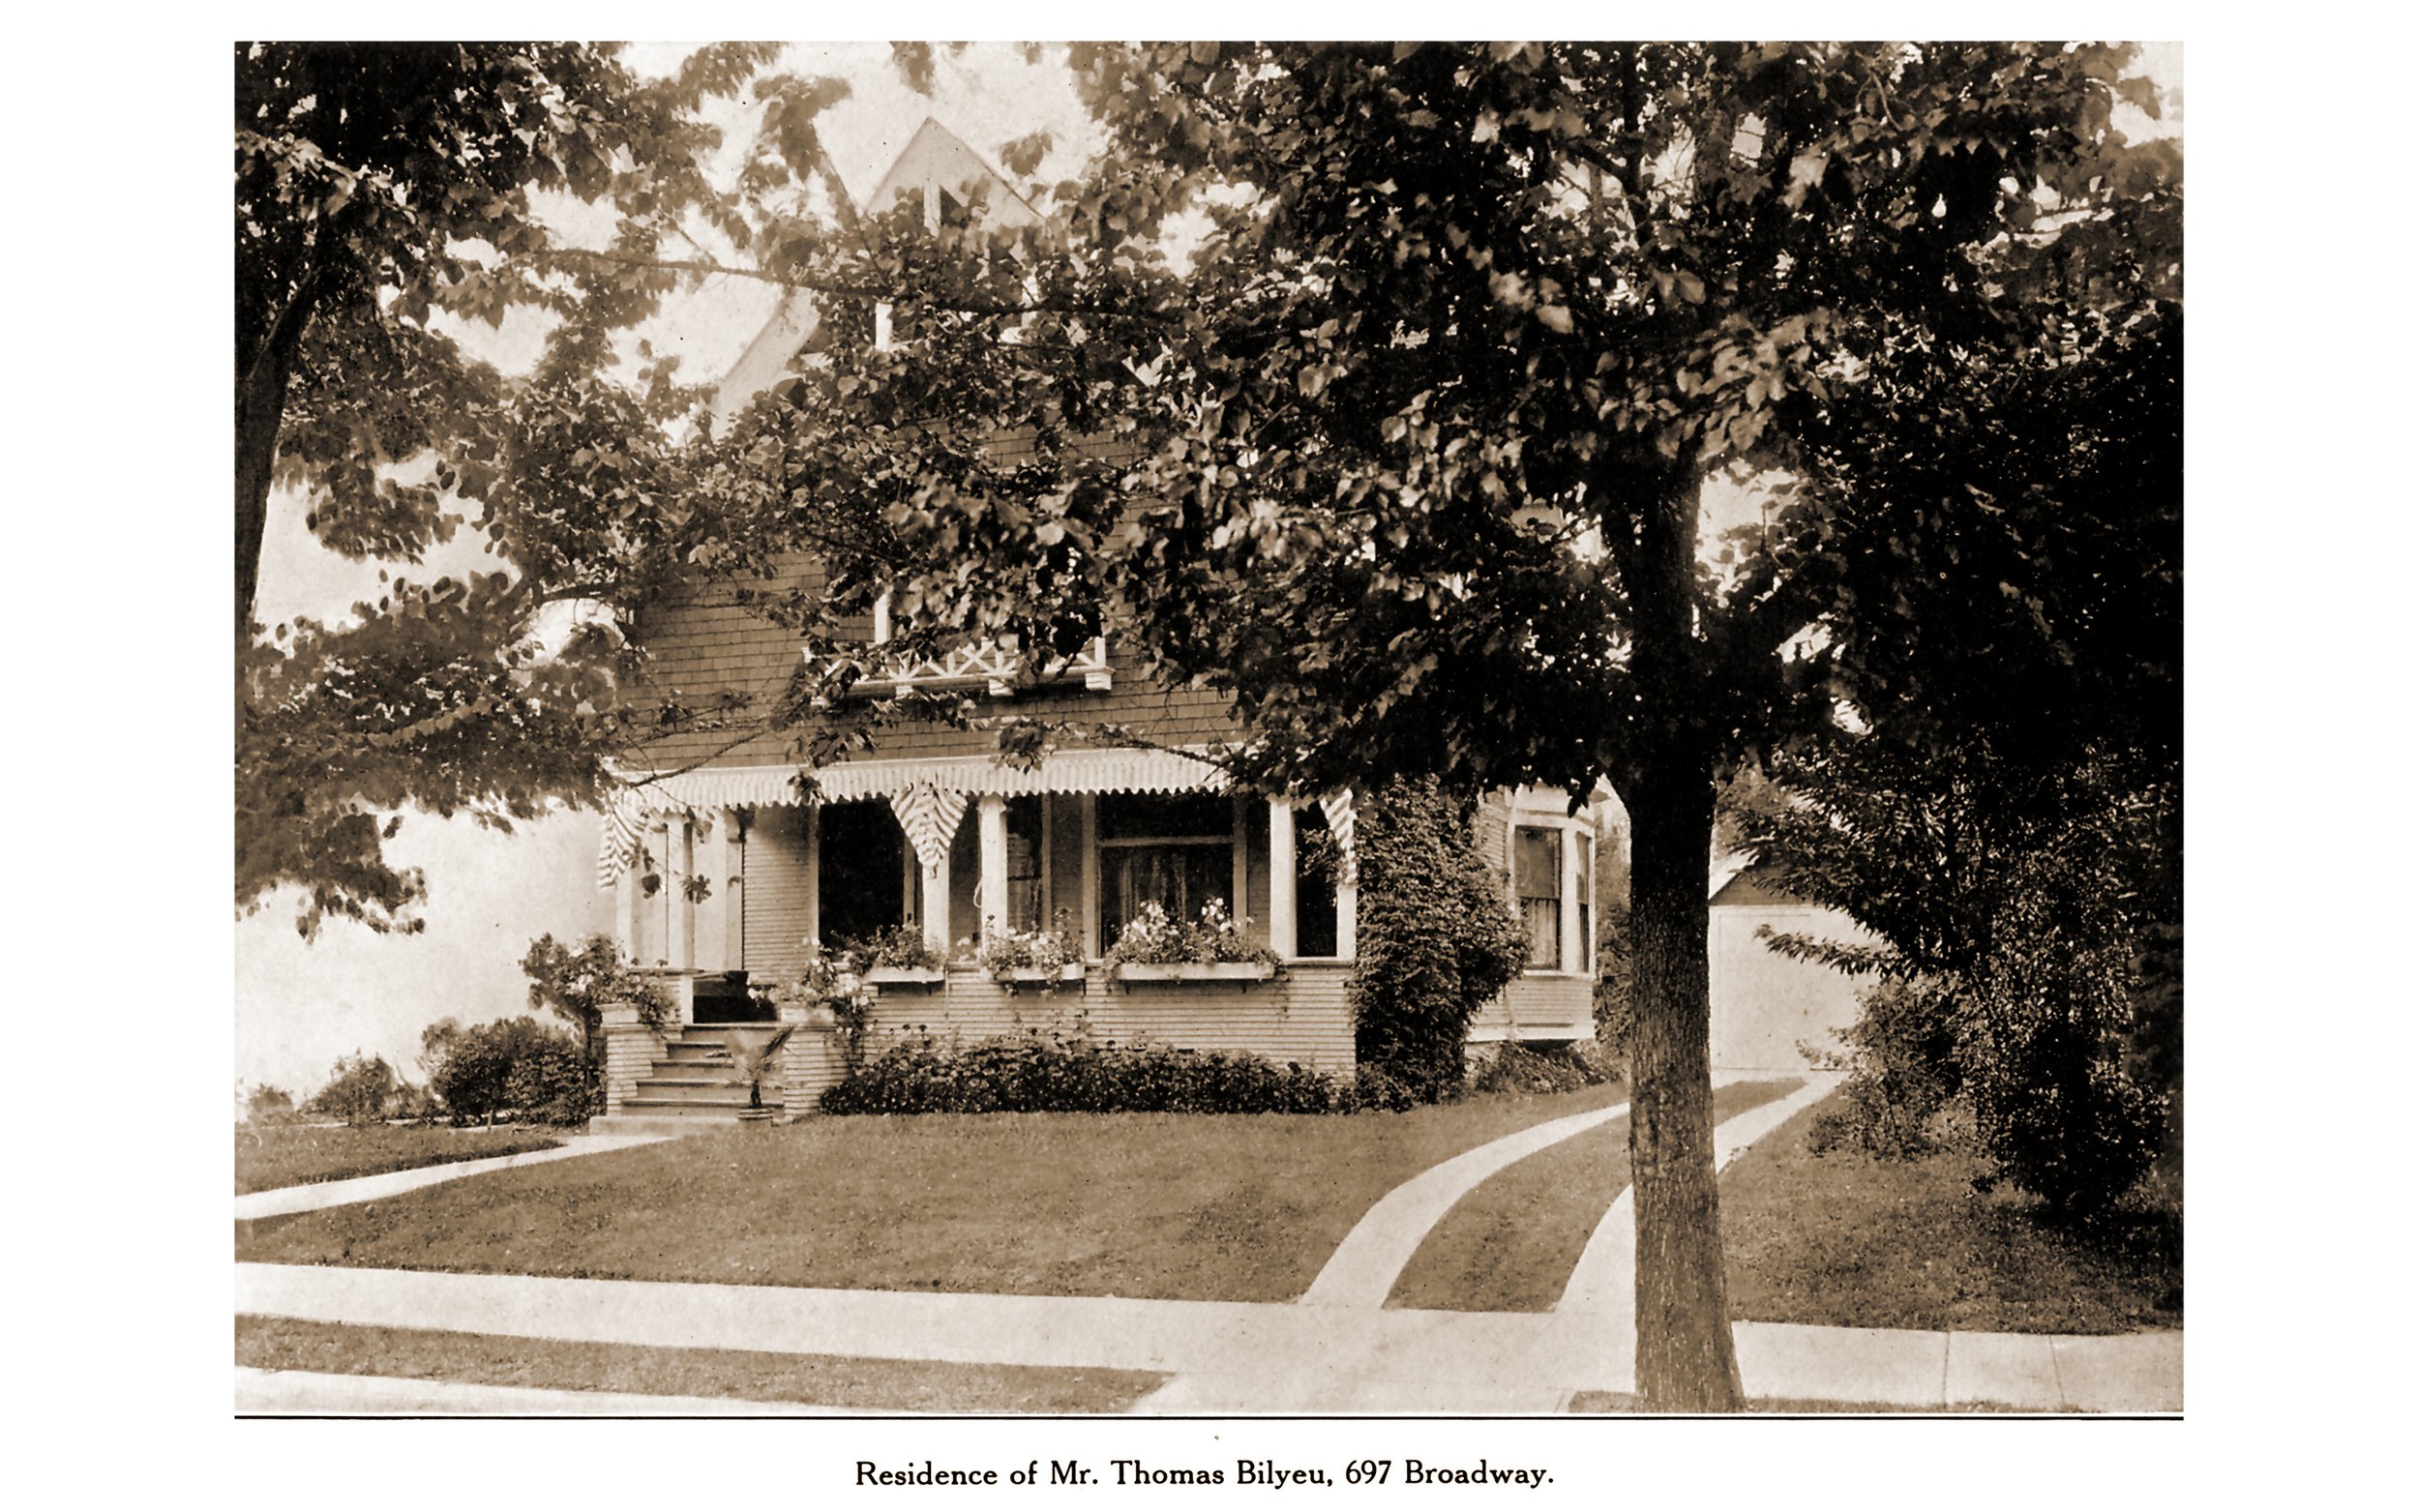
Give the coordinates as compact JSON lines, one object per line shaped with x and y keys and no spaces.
{"x":1092,"y":771}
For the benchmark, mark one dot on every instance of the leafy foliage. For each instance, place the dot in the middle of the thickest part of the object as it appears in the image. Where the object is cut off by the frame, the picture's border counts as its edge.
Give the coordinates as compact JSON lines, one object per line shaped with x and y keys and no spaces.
{"x":2015,"y":906}
{"x":1041,"y":950}
{"x":358,"y":1090}
{"x":266,"y":1105}
{"x":1539,"y":1070}
{"x":580,"y":984}
{"x":1436,"y":940}
{"x":901,"y":947}
{"x":515,"y":1066}
{"x":1033,"y":1073}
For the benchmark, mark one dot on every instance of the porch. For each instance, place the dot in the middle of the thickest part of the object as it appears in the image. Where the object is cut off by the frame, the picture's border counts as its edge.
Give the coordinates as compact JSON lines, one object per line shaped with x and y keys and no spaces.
{"x":732,"y":883}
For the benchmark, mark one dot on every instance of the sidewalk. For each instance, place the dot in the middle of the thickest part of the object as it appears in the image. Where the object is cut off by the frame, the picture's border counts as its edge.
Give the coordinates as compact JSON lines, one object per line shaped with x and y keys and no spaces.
{"x":302,"y":1393}
{"x":316,"y":1195}
{"x":1241,"y":1356}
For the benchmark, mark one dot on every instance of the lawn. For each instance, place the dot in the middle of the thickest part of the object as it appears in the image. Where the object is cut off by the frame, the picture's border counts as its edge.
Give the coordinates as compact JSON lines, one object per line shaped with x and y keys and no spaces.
{"x":1194,"y":1206}
{"x":745,"y":1374}
{"x":286,"y":1156}
{"x":1511,"y":1244}
{"x":1848,"y":1239}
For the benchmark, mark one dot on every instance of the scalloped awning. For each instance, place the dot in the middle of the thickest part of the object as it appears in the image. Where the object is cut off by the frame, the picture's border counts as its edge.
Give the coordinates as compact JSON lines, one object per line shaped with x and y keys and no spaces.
{"x":1060,"y":771}
{"x":1092,"y":771}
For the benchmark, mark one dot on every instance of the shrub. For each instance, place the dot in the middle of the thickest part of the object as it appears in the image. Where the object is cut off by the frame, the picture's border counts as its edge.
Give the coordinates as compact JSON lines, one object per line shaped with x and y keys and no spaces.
{"x":1902,"y":1070}
{"x":511,"y":1066}
{"x":265,"y":1103}
{"x":1615,"y":974}
{"x":581,"y":984}
{"x":1035,"y":1073}
{"x":1538,"y":1070}
{"x":357,"y":1090}
{"x":1436,"y":938}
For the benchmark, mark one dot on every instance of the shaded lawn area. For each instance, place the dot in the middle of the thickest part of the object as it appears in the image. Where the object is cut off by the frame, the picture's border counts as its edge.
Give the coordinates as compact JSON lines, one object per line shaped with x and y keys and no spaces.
{"x":1510,"y":1245}
{"x":745,"y":1374}
{"x":286,"y":1156}
{"x":1847,"y":1240}
{"x":1193,"y":1207}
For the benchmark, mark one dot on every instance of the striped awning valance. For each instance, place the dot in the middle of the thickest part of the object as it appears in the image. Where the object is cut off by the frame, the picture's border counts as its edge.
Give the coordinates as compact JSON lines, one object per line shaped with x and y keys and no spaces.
{"x":1060,"y":771}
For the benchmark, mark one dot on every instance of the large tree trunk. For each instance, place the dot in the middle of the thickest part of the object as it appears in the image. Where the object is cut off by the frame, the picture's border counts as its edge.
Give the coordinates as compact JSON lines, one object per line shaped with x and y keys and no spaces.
{"x":263,"y":366}
{"x":1686,"y":1362}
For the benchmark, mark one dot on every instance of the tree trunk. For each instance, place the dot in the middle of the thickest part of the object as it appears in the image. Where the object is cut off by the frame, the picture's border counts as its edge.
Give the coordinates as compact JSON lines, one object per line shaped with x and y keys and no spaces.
{"x":1686,"y":1362}
{"x":262,"y":369}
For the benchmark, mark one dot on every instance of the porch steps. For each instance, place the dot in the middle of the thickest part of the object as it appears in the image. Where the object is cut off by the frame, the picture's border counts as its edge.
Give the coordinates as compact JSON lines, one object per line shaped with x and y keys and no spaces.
{"x":689,"y":1085}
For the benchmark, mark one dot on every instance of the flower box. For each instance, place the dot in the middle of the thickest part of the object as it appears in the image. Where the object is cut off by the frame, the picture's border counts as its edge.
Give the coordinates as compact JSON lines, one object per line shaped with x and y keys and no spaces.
{"x":1020,"y":976}
{"x":927,"y":977}
{"x":1131,"y":971}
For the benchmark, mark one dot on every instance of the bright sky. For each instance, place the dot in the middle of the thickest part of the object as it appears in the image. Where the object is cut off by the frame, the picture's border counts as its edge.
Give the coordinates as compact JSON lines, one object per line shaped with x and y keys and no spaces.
{"x":298,"y":1007}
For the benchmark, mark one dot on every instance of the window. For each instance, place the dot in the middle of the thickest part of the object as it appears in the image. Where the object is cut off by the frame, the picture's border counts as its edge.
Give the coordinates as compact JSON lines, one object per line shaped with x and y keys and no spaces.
{"x":1538,"y":891}
{"x":1176,"y":850}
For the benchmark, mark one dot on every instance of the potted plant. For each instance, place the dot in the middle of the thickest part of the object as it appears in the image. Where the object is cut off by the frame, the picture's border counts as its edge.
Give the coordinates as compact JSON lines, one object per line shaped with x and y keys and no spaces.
{"x":751,"y":1051}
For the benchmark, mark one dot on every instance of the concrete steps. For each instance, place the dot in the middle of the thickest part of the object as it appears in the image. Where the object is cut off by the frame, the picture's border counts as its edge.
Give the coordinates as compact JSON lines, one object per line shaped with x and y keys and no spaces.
{"x":689,"y":1085}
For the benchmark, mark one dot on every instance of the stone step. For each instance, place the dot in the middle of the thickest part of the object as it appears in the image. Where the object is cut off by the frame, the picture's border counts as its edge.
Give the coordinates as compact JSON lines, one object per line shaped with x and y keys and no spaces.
{"x":660,"y":1123}
{"x":687,"y":1090}
{"x":670,"y":1108}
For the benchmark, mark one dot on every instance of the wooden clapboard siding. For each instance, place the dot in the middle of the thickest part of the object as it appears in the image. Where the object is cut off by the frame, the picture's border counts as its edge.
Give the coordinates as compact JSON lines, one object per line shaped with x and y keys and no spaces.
{"x":1302,"y":1016}
{"x":773,"y":922}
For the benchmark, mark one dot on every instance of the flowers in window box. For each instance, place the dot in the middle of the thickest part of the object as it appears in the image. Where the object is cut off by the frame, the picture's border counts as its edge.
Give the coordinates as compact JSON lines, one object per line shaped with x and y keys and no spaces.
{"x":1047,"y":953}
{"x":1152,"y":939}
{"x":901,"y":947}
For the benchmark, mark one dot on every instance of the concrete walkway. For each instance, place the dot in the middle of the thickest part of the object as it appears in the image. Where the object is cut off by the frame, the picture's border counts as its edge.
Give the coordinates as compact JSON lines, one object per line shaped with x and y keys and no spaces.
{"x":1605,"y":1281}
{"x":1255,"y":1356}
{"x":317,"y":1195}
{"x":302,"y":1393}
{"x":1338,"y":1349}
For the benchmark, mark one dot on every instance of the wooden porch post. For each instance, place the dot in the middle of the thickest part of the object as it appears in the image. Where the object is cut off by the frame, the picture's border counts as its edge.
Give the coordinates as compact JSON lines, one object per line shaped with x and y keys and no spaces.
{"x":1087,"y":811}
{"x":815,"y":876}
{"x":992,"y":896}
{"x":1281,"y":904}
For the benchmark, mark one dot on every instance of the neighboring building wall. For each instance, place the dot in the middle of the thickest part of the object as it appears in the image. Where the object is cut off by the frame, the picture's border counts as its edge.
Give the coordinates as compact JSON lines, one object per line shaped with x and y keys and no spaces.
{"x":1765,"y":1004}
{"x":1302,"y":1016}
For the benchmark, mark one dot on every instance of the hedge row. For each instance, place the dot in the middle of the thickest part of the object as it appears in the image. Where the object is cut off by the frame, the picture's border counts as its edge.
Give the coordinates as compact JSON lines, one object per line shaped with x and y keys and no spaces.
{"x":1033,"y":1073}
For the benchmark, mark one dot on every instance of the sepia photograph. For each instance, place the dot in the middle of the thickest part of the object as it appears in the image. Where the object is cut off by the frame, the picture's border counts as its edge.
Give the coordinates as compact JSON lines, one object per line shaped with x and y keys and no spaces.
{"x":1206,"y":731}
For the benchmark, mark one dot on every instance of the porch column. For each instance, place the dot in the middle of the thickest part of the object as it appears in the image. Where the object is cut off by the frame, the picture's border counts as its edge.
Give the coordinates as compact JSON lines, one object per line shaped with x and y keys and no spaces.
{"x":937,"y":903}
{"x":1087,"y":811}
{"x":735,"y":913}
{"x":679,"y":913}
{"x":1341,"y":824}
{"x":1281,"y":905}
{"x":626,"y":913}
{"x":713,"y":913}
{"x":814,"y":875}
{"x":1574,"y":951}
{"x":992,"y":829}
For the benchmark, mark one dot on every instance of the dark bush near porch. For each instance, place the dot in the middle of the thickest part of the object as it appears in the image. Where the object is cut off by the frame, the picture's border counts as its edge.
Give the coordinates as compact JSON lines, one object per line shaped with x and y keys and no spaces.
{"x":515,"y":1066}
{"x":1539,"y":1070}
{"x":1033,"y":1072}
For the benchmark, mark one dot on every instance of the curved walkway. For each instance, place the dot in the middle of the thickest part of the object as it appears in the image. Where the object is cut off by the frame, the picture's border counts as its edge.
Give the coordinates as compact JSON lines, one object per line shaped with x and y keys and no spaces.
{"x":311,"y":1198}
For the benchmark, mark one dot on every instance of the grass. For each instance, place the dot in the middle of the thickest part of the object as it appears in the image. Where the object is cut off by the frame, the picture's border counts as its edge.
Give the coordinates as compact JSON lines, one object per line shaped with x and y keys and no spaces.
{"x":745,"y":1374}
{"x":1849,"y":1239}
{"x":1622,"y":1402}
{"x":286,"y":1156}
{"x":1510,"y":1245}
{"x":1192,"y":1206}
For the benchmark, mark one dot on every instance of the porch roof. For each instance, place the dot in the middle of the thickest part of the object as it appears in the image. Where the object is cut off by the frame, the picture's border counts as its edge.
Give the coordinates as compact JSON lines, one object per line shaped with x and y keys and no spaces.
{"x":1078,"y":771}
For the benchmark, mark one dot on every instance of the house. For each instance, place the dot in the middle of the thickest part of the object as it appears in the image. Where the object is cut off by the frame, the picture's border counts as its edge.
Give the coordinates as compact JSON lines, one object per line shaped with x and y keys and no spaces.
{"x":930,"y":832}
{"x":1768,"y":1010}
